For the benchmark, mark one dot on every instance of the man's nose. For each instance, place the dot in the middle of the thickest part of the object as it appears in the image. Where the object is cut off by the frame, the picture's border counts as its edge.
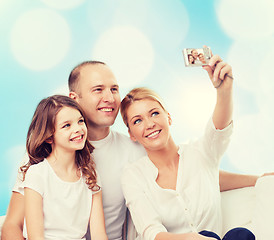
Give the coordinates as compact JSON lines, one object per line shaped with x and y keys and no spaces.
{"x":108,"y":96}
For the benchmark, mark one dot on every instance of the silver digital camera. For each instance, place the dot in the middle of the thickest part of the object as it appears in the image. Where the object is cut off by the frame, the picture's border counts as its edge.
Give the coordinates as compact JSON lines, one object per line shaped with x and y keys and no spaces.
{"x":196,"y":57}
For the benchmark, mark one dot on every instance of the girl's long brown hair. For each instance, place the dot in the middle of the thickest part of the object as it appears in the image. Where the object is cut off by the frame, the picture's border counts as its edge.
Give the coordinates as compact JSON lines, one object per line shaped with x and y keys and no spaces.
{"x":42,"y":128}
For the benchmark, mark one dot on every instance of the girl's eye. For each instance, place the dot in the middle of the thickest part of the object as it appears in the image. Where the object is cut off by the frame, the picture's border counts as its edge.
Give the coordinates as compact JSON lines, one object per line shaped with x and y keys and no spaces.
{"x":66,"y":126}
{"x":81,"y":121}
{"x":154,"y":114}
{"x":137,"y":121}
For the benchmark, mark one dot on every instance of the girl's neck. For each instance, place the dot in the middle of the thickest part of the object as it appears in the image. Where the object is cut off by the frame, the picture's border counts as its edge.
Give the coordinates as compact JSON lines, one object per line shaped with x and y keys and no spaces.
{"x":62,"y":159}
{"x":64,"y":165}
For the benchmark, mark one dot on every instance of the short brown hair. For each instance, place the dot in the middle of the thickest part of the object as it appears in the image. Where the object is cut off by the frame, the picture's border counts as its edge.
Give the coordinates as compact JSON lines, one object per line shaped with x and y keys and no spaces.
{"x":138,"y":94}
{"x":75,"y":73}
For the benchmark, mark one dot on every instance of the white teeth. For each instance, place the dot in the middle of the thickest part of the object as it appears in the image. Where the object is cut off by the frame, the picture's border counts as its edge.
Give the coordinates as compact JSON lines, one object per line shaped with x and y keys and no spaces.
{"x":77,"y":138}
{"x":106,"y":109}
{"x":153,"y":134}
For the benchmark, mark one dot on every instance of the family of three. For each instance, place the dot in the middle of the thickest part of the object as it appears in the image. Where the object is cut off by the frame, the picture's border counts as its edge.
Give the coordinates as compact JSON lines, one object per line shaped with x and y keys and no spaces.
{"x":80,"y":173}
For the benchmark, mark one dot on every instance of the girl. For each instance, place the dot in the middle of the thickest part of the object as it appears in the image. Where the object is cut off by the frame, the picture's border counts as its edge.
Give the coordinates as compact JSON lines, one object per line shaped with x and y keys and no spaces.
{"x":61,"y":189}
{"x":173,"y":192}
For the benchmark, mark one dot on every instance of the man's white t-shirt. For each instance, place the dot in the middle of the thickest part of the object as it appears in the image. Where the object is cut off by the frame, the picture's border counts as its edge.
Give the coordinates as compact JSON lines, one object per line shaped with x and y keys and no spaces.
{"x":111,"y":154}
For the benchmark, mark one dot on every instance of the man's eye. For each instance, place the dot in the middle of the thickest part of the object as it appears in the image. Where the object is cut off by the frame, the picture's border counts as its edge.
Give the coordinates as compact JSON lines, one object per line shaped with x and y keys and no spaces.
{"x":98,"y":89}
{"x":115,"y":90}
{"x":137,"y":121}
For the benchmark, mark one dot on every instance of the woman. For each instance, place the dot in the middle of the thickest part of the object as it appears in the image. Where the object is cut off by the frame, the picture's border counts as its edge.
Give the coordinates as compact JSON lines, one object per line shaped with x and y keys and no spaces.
{"x":173,"y":192}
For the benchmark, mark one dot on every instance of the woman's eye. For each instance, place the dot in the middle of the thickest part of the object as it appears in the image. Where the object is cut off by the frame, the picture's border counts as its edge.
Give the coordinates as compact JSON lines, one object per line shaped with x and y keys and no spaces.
{"x":154,"y":114}
{"x":137,"y":121}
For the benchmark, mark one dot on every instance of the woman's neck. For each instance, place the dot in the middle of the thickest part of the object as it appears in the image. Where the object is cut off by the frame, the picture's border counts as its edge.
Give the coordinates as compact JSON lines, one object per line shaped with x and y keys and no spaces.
{"x":166,"y":156}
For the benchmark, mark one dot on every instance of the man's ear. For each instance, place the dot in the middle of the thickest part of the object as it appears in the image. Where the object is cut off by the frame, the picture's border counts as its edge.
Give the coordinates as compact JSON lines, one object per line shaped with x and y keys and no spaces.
{"x":49,"y":140}
{"x":73,"y":95}
{"x":131,"y":136}
{"x":169,"y":119}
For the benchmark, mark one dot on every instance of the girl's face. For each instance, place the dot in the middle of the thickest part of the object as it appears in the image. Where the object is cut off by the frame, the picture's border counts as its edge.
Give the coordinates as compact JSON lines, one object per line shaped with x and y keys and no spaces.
{"x":190,"y":59}
{"x":70,"y":130}
{"x":149,"y":124}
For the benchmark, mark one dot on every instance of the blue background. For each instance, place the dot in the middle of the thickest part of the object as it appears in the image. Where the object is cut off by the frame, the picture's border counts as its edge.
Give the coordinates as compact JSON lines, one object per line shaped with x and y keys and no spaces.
{"x":142,"y":42}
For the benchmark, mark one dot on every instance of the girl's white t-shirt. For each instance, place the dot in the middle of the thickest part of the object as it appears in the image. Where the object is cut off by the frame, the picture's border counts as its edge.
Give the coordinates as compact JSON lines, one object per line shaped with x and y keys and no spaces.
{"x":66,"y":205}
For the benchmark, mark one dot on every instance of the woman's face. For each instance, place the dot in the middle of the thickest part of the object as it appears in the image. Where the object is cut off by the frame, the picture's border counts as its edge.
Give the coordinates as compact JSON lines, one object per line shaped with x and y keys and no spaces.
{"x":149,"y":124}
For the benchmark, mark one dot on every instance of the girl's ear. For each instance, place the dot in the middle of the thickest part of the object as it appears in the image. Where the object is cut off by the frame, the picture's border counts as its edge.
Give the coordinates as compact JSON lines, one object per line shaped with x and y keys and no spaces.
{"x":49,"y":140}
{"x":169,"y":119}
{"x":131,"y":136}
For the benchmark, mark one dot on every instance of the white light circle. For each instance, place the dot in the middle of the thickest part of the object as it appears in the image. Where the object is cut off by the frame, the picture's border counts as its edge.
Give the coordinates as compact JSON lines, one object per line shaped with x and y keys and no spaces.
{"x":63,"y":4}
{"x":266,"y":81}
{"x":246,"y":19}
{"x":251,"y":148}
{"x":40,"y":39}
{"x":128,"y":53}
{"x":246,"y":57}
{"x":191,"y":104}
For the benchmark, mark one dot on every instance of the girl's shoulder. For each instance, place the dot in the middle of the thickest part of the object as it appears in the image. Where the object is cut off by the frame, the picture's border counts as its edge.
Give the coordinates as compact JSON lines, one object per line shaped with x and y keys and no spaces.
{"x":38,"y":166}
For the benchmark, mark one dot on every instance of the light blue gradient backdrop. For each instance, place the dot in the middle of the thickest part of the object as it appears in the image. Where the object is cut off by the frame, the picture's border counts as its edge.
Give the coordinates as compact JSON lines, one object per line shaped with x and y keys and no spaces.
{"x":41,"y":41}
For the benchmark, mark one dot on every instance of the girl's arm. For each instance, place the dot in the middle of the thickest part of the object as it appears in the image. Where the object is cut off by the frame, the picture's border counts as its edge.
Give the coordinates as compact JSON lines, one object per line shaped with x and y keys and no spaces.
{"x":13,"y":225}
{"x":221,"y":76}
{"x":34,"y":214}
{"x":97,"y":220}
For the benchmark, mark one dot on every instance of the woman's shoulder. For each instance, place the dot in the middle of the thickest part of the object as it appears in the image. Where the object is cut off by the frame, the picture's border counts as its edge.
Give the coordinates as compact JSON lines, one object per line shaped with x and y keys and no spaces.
{"x":137,"y":164}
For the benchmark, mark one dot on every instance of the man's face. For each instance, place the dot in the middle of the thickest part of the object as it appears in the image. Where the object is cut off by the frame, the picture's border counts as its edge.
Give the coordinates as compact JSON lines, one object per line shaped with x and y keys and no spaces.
{"x":98,"y":95}
{"x":195,"y":54}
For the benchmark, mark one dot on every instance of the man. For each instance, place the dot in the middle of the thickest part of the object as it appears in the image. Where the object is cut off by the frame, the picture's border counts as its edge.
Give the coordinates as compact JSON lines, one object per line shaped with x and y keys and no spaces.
{"x":93,"y":85}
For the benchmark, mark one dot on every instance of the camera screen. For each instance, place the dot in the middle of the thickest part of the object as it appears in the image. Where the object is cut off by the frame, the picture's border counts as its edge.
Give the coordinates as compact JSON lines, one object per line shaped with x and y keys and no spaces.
{"x":195,"y":57}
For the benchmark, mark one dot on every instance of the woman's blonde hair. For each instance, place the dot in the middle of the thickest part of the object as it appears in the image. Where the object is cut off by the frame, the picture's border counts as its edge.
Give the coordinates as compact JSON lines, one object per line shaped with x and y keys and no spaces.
{"x":138,"y":94}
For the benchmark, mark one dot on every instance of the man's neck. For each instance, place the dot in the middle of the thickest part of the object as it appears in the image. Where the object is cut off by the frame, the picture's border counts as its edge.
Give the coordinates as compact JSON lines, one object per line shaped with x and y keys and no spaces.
{"x":96,"y":134}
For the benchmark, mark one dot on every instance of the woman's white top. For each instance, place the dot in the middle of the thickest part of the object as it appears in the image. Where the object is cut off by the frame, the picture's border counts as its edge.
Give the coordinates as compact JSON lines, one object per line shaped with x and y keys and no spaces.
{"x":194,"y":205}
{"x":66,"y":205}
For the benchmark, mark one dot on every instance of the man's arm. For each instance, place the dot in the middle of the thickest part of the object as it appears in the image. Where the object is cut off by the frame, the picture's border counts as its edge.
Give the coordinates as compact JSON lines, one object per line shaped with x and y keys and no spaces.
{"x":13,"y":225}
{"x":229,"y":181}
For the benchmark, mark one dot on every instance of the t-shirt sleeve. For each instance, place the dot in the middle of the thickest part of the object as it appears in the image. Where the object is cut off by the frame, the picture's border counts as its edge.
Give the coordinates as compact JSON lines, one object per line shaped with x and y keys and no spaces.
{"x":145,"y":218}
{"x":18,"y":184}
{"x":34,"y":180}
{"x":98,"y":183}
